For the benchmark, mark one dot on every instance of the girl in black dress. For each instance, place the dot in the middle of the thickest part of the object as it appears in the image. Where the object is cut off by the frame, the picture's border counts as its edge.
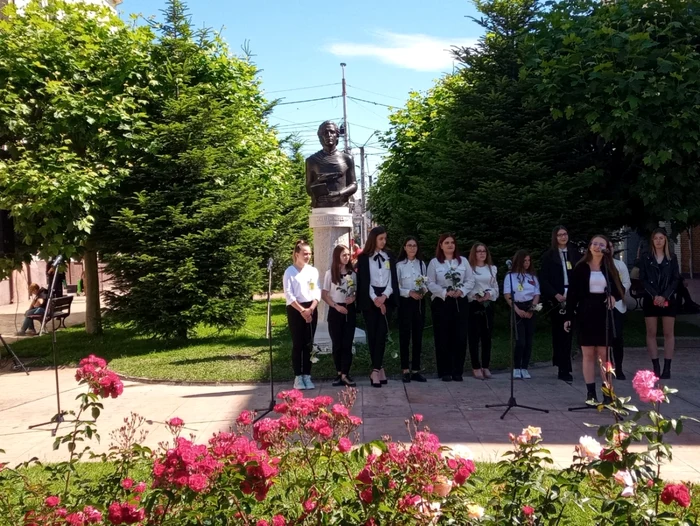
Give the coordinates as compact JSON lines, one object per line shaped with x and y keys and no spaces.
{"x":588,"y":301}
{"x":658,"y":272}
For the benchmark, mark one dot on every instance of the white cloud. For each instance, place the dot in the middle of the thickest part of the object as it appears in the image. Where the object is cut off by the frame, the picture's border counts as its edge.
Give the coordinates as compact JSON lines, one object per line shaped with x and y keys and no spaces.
{"x":412,"y":51}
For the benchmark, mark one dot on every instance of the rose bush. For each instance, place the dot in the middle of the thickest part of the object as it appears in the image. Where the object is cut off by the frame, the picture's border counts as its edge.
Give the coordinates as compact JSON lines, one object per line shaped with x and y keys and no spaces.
{"x":305,"y":467}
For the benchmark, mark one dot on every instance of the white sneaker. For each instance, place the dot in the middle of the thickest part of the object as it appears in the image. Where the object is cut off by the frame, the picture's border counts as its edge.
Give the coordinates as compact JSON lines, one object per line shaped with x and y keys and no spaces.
{"x":307,"y":381}
{"x":299,"y":383}
{"x":525,"y":374}
{"x":517,"y":373}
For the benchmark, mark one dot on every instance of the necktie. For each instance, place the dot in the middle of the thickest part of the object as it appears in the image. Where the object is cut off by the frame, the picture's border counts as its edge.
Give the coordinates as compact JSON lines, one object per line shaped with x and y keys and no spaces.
{"x":379,"y":259}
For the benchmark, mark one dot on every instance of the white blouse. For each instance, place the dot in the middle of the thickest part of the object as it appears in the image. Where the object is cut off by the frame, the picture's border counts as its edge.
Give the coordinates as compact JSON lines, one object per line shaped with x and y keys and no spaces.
{"x":380,"y":274}
{"x":347,"y":284}
{"x":438,"y":283}
{"x":301,"y":285}
{"x":484,"y":281}
{"x":408,"y":271}
{"x":526,"y":286}
{"x":597,"y":283}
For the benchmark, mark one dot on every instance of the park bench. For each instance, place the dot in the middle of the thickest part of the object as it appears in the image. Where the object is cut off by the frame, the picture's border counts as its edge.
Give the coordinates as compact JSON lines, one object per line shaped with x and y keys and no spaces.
{"x":637,"y":292}
{"x":59,"y":310}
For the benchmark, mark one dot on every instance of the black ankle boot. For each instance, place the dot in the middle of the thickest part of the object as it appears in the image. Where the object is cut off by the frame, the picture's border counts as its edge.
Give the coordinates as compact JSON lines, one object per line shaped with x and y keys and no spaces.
{"x":657,"y":367}
{"x":591,"y":395}
{"x":667,"y":370}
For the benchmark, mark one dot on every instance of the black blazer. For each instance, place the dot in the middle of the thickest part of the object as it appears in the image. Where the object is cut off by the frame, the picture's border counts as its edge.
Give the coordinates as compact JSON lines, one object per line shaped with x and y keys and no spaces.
{"x":551,"y":275}
{"x":363,"y":282}
{"x":659,"y":279}
{"x":579,"y":289}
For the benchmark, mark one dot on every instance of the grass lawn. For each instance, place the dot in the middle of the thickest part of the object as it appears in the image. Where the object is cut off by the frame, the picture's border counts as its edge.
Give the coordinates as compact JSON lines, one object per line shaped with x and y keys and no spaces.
{"x":242,"y":356}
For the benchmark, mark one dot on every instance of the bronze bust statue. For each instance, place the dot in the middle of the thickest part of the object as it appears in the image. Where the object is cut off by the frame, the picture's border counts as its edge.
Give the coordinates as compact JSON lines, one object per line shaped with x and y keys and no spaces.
{"x":330,"y":174}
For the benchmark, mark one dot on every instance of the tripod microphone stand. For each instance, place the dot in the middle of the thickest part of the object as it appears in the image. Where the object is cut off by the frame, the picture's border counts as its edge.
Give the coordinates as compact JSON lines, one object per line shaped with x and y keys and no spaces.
{"x":268,"y":332}
{"x":58,"y":418}
{"x":609,"y":321}
{"x":513,"y":332}
{"x":18,"y":362}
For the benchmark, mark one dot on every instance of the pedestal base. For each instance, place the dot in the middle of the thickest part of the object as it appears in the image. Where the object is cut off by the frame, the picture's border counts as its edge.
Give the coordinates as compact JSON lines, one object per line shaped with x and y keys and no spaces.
{"x":322,"y":340}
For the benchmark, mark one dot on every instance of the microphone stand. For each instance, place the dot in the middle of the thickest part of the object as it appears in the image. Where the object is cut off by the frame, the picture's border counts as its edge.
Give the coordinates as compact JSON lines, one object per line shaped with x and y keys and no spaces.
{"x":268,"y":333}
{"x":18,"y":362}
{"x":609,"y":322}
{"x":513,"y":331}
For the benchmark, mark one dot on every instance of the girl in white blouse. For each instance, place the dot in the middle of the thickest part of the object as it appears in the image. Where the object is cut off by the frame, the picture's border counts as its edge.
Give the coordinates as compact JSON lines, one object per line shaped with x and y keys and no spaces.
{"x":481,"y":300}
{"x":522,"y":287}
{"x":377,"y":295}
{"x":450,"y":279}
{"x":302,"y":293}
{"x":412,"y":275}
{"x":339,"y":293}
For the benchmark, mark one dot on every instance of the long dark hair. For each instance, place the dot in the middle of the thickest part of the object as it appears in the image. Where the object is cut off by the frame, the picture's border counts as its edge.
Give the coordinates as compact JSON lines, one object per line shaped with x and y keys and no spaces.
{"x":440,"y":255}
{"x":371,"y":243}
{"x":607,"y":261}
{"x":335,"y":263}
{"x":402,"y":252}
{"x":519,"y":263}
{"x":555,"y":241}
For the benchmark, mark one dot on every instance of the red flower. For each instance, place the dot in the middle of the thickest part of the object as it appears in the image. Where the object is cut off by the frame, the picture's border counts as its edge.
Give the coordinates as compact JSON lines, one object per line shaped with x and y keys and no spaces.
{"x":262,"y":522}
{"x":418,"y":418}
{"x":124,"y":513}
{"x":677,"y":493}
{"x":175,"y":422}
{"x":344,"y":445}
{"x":609,"y":455}
{"x":309,"y":506}
{"x":127,"y":483}
{"x":366,"y":495}
{"x":528,"y":511}
{"x":52,"y":501}
{"x":278,"y":520}
{"x":245,"y":418}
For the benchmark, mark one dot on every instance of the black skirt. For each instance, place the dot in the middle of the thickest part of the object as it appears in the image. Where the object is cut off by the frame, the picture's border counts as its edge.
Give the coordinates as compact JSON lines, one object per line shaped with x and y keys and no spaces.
{"x":652,"y":311}
{"x":591,"y":321}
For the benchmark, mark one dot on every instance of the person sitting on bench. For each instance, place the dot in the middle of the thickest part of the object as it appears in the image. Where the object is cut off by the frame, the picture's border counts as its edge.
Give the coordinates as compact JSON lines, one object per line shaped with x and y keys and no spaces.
{"x":37,"y":307}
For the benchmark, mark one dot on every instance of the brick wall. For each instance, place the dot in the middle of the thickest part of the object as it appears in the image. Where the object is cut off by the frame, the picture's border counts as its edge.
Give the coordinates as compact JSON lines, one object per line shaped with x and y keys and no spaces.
{"x":685,"y":258}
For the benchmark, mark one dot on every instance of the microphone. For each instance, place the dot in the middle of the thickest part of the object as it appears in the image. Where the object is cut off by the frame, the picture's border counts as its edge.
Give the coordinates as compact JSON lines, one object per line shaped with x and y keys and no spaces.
{"x":57,"y":261}
{"x":605,"y":250}
{"x":269,"y":264}
{"x":509,"y":264}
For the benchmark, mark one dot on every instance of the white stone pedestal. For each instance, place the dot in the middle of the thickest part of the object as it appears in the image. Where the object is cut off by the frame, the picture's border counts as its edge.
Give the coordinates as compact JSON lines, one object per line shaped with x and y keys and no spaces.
{"x":331,"y":227}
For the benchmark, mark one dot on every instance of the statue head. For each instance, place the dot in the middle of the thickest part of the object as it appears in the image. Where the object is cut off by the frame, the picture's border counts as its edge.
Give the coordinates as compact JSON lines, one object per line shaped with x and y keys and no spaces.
{"x":328,"y":135}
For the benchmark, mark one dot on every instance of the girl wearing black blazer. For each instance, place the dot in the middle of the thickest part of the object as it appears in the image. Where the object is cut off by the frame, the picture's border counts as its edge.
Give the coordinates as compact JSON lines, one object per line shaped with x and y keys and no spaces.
{"x":377,"y":295}
{"x":588,"y":302}
{"x":658,"y":272}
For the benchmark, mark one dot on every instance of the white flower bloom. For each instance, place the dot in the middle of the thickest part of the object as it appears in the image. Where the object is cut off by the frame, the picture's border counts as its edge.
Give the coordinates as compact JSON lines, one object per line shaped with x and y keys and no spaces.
{"x":588,"y":447}
{"x":474,"y":511}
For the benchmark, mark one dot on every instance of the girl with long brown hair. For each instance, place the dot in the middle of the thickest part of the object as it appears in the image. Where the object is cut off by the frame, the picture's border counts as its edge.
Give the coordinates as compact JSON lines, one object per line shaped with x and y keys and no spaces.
{"x":593,"y":277}
{"x":302,"y":294}
{"x":481,"y":299}
{"x":339,"y":293}
{"x":450,"y":279}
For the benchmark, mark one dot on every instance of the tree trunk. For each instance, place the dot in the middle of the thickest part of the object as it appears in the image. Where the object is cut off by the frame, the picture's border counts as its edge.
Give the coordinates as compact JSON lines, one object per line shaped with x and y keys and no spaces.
{"x":93,"y":319}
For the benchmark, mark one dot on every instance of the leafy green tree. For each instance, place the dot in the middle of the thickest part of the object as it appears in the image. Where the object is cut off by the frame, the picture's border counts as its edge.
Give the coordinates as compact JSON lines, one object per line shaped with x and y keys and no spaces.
{"x":480,"y":155}
{"x":629,"y":71}
{"x":202,"y":209}
{"x":72,"y":78}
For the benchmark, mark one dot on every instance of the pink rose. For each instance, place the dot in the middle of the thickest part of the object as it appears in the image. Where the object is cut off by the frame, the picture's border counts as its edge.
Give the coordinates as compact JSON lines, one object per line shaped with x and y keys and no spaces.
{"x":52,"y":501}
{"x":176,"y":422}
{"x":344,"y":445}
{"x":127,"y":483}
{"x":528,"y":511}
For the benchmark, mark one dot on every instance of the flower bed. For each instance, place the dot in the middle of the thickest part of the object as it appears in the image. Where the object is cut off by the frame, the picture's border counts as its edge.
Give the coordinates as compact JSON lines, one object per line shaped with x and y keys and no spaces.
{"x":304,"y":467}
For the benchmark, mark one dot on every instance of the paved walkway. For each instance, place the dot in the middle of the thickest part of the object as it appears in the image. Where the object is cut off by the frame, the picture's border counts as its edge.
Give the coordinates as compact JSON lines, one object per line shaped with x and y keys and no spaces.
{"x":454,"y":411}
{"x":12,"y":316}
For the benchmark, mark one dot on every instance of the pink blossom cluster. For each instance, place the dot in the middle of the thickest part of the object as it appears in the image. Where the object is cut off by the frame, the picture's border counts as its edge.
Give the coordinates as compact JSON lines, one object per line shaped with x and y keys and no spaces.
{"x":125,"y":513}
{"x":255,"y":464}
{"x":310,"y":418}
{"x":103,"y":382}
{"x":277,"y":520}
{"x":52,"y":513}
{"x":677,"y":493}
{"x":185,"y":465}
{"x":644,"y":384}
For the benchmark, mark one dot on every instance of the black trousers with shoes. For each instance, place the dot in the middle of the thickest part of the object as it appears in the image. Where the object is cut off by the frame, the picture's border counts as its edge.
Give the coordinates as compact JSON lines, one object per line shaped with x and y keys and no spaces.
{"x":411,"y":324}
{"x":377,"y":325}
{"x":523,"y":342}
{"x":341,"y":328}
{"x":561,"y":343}
{"x":480,"y":331}
{"x":450,"y":326}
{"x":302,"y":338}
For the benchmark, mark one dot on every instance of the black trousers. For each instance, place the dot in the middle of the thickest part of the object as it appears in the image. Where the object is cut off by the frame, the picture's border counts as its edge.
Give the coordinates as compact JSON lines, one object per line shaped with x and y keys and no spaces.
{"x":561,"y":342}
{"x":302,"y":338}
{"x":450,"y":327}
{"x":523,"y":342}
{"x":341,"y":328}
{"x":480,"y":331}
{"x":411,"y":324}
{"x":618,"y":342}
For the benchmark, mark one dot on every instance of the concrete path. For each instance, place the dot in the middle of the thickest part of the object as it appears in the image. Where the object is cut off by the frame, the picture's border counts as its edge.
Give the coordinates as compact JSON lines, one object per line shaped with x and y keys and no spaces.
{"x":454,"y":411}
{"x":12,"y":316}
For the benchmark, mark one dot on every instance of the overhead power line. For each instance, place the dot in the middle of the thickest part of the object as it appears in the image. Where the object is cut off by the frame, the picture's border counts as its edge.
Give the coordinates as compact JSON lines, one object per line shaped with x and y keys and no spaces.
{"x":375,"y":93}
{"x":307,"y":100}
{"x":371,"y":102}
{"x":305,"y":87}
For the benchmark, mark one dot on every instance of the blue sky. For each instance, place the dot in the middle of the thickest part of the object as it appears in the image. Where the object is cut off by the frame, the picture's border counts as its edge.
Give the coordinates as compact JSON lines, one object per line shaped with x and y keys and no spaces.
{"x":390,"y":47}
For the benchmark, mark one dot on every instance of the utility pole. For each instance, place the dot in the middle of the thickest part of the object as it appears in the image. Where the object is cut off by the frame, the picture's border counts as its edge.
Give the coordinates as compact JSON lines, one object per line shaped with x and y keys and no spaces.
{"x":363,"y":230}
{"x":346,"y":136}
